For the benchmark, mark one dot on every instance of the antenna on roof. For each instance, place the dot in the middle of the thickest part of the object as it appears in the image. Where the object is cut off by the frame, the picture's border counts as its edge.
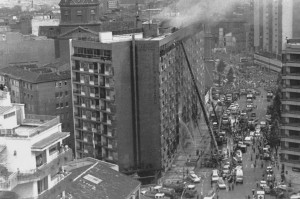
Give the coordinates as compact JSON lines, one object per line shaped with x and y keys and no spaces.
{"x":137,"y":13}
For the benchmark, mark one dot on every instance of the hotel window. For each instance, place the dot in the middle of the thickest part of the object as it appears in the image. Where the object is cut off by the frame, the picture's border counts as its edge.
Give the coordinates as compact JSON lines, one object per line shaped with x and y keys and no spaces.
{"x":66,"y":83}
{"x":57,"y":106}
{"x":67,"y":104}
{"x":61,"y":105}
{"x":66,"y":93}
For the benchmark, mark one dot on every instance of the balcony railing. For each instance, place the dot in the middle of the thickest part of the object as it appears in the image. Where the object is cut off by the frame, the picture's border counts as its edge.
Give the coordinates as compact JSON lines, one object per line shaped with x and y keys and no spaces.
{"x":290,"y":99}
{"x":290,"y":149}
{"x":291,"y":86}
{"x":283,"y":135}
{"x":63,"y":157}
{"x":290,"y":161}
{"x":291,"y":74}
{"x":291,"y":124}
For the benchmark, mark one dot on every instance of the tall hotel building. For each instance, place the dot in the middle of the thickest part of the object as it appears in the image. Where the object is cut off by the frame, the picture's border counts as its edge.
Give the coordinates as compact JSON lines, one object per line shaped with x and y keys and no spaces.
{"x":275,"y":21}
{"x":290,"y":127}
{"x":129,"y":93}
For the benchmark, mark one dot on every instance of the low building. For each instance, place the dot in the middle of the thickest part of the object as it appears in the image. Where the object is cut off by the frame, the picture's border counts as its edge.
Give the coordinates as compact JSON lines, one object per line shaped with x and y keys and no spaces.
{"x":31,"y":150}
{"x":90,"y":178}
{"x":43,"y":90}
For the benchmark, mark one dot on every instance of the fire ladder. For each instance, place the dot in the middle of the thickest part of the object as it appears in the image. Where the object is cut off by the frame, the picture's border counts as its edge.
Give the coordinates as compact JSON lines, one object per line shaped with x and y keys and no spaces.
{"x":200,"y":100}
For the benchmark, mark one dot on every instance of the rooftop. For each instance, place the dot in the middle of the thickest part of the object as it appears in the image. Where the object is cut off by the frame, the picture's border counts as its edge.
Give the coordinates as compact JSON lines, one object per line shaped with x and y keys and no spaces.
{"x":91,"y":178}
{"x":31,"y":126}
{"x":35,"y":74}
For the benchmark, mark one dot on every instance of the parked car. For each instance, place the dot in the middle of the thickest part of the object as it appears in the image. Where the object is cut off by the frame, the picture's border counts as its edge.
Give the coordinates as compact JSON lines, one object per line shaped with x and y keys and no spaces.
{"x":194,"y":178}
{"x":221,"y":183}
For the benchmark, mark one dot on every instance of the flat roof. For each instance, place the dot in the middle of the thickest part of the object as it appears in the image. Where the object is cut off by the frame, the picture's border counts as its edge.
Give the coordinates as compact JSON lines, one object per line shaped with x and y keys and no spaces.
{"x":42,"y":144}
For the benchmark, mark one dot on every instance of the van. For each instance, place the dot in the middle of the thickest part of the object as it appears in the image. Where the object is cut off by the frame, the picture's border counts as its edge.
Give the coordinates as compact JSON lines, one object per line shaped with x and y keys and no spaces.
{"x":248,"y":141}
{"x":215,"y":175}
{"x":239,"y":175}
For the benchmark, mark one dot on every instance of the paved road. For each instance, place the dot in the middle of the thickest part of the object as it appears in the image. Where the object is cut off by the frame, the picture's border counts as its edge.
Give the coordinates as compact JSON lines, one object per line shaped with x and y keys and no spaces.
{"x":251,"y":174}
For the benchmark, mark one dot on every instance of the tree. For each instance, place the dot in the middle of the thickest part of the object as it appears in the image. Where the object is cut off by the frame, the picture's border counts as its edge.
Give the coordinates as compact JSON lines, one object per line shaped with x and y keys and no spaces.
{"x":273,"y":136}
{"x":230,"y":76}
{"x":220,"y":69}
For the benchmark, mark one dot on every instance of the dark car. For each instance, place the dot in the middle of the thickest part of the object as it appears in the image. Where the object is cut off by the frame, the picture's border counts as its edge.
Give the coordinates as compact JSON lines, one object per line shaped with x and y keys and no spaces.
{"x":253,"y":114}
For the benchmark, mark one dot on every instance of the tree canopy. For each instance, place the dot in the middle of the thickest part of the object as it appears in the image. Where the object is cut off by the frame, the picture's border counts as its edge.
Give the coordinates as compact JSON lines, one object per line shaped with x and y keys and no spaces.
{"x":221,"y":66}
{"x":230,"y":76}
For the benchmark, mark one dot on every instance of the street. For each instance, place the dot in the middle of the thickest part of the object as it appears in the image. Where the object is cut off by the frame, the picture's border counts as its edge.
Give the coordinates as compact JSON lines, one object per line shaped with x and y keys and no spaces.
{"x":251,"y":175}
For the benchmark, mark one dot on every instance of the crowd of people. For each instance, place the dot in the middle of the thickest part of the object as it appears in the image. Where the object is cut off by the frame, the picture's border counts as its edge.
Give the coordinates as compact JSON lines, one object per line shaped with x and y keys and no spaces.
{"x":252,"y":78}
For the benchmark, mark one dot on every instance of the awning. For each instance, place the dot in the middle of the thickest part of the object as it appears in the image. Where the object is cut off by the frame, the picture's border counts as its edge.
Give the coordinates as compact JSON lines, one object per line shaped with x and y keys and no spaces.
{"x":48,"y":141}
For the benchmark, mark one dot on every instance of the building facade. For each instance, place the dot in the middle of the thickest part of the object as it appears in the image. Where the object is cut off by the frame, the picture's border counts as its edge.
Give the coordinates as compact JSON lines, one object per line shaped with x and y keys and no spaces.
{"x":32,"y":152}
{"x":275,"y":21}
{"x":290,"y":129}
{"x":129,"y":112}
{"x":18,"y":48}
{"x":42,"y":90}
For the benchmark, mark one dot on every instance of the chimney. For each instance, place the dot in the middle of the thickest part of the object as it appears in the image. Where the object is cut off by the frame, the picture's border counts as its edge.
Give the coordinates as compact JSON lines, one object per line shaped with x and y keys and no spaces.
{"x":150,"y":29}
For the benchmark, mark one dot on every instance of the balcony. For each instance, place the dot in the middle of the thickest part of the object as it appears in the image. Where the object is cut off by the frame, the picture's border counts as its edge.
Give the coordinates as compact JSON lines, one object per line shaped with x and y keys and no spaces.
{"x":64,"y":156}
{"x":291,"y":137}
{"x":83,"y":116}
{"x":93,"y":118}
{"x":91,"y":70}
{"x":81,"y":69}
{"x":82,"y":81}
{"x":290,"y":150}
{"x":9,"y":182}
{"x":291,"y":126}
{"x":82,"y":93}
{"x":92,"y":83}
{"x":92,"y":94}
{"x":294,"y":162}
{"x":93,"y":106}
{"x":83,"y":105}
{"x":290,"y":113}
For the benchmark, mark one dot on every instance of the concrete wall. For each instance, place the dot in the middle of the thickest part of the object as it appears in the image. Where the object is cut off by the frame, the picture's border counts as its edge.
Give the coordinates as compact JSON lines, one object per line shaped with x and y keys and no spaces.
{"x":149,"y":102}
{"x":123,"y":100}
{"x":18,"y":49}
{"x":26,"y":190}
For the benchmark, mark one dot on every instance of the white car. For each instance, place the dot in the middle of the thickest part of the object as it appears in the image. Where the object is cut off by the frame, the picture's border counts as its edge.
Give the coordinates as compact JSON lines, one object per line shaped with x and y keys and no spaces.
{"x":263,"y":184}
{"x":263,"y":123}
{"x":215,"y":175}
{"x":221,"y":183}
{"x":194,"y":178}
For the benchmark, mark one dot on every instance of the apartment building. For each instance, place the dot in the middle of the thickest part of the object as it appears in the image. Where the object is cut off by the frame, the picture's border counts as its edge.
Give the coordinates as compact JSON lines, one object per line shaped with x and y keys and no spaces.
{"x":275,"y":21}
{"x":129,"y":94}
{"x":32,"y":152}
{"x":290,"y":128}
{"x":43,"y":90}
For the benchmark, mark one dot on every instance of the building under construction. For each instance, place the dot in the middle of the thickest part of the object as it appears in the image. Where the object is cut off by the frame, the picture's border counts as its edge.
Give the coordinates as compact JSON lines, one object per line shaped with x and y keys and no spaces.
{"x":131,"y":91}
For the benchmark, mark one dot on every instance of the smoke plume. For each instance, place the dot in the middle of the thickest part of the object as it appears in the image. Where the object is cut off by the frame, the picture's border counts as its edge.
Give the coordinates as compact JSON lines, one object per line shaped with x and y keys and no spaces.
{"x":190,"y":11}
